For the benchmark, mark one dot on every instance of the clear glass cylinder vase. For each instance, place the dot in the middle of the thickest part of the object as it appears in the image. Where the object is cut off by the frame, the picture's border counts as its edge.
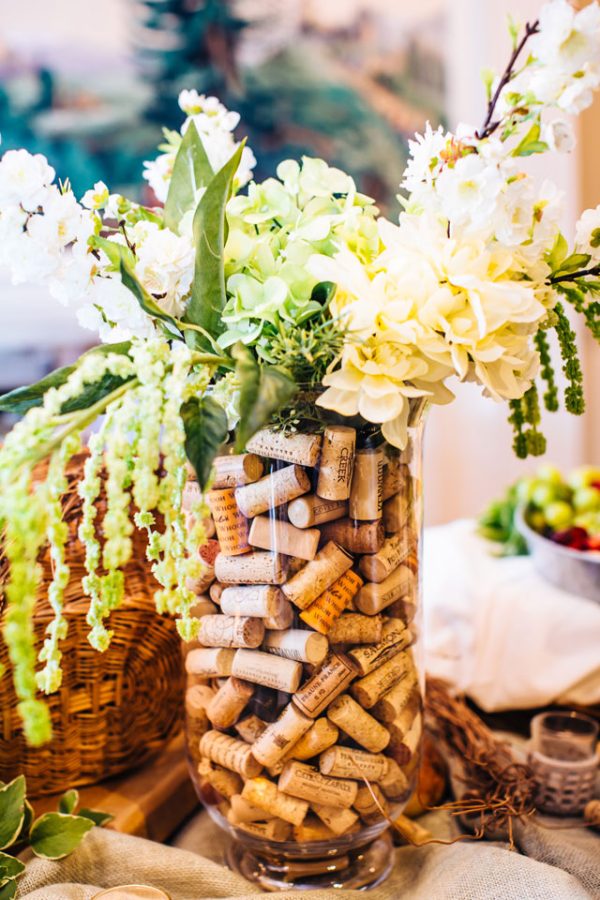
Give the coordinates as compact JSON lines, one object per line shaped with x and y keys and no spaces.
{"x":304,"y":698}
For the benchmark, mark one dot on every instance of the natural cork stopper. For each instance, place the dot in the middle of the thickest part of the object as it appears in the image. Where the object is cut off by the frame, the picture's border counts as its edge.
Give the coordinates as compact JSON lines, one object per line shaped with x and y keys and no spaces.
{"x":231,"y":525}
{"x":329,"y":564}
{"x":326,"y":609}
{"x":231,"y":471}
{"x":307,"y":783}
{"x":378,"y":566}
{"x":263,"y":793}
{"x":279,"y":737}
{"x":250,"y":728}
{"x":229,"y":702}
{"x":313,"y":510}
{"x":230,"y":753}
{"x":345,"y":762}
{"x":337,"y":462}
{"x":272,"y":490}
{"x":274,"y":672}
{"x":358,"y":724}
{"x":339,"y":821}
{"x":325,"y":685}
{"x":210,"y":662}
{"x":395,"y":637}
{"x":257,"y":567}
{"x":302,"y":449}
{"x":356,"y":537}
{"x":225,"y":782}
{"x":354,"y":628}
{"x":261,"y":601}
{"x":299,"y":644}
{"x":319,"y":737}
{"x":368,"y":690}
{"x":282,"y":537}
{"x":373,"y":598}
{"x":367,"y":485}
{"x":231,"y":631}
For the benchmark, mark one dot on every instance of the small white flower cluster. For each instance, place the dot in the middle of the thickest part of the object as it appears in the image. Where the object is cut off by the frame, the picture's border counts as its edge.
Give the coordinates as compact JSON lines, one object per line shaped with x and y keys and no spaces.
{"x":215,"y":125}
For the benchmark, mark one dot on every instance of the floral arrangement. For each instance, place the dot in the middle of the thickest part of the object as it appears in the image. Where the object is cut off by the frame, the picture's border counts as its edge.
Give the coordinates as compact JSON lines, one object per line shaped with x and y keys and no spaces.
{"x":215,"y":308}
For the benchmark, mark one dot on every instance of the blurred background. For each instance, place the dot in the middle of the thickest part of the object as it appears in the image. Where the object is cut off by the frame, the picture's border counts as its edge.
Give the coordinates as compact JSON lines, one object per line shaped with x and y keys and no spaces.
{"x":90,"y":85}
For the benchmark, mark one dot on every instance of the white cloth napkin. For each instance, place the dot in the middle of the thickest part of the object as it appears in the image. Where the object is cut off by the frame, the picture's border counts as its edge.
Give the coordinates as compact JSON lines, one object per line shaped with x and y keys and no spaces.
{"x":499,"y":632}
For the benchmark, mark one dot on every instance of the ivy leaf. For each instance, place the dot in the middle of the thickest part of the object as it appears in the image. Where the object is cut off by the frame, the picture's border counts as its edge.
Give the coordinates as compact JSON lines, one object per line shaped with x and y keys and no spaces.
{"x":191,"y":170}
{"x":12,"y":811}
{"x":68,"y":801}
{"x":24,"y":398}
{"x":205,"y":425}
{"x":10,"y":867}
{"x":8,"y":891}
{"x":146,"y":301}
{"x":55,"y":835}
{"x":210,"y":234}
{"x":97,"y":817}
{"x":264,"y":390}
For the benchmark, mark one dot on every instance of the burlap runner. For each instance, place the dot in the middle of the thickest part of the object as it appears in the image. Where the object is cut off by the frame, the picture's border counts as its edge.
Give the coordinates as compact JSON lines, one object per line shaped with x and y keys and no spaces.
{"x":560,"y":865}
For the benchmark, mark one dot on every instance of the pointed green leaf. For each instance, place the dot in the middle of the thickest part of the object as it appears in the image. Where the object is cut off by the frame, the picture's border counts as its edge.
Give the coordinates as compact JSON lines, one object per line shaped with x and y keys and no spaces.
{"x":10,"y":867}
{"x":55,"y":835}
{"x":558,"y":253}
{"x":531,"y":142}
{"x":12,"y":811}
{"x":264,"y":390}
{"x":210,"y":234}
{"x":24,"y":398}
{"x":97,"y":817}
{"x":205,"y":424}
{"x":27,"y":820}
{"x":146,"y":301}
{"x":191,"y":170}
{"x":8,"y":891}
{"x":573,"y":263}
{"x":115,"y":252}
{"x":68,"y":801}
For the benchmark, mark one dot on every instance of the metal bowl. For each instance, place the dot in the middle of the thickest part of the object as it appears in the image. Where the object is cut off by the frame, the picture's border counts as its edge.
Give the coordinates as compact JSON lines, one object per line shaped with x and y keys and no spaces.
{"x":575,"y":571}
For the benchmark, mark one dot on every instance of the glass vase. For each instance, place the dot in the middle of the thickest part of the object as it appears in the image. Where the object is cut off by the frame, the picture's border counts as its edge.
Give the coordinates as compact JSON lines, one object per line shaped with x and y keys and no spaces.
{"x":304,"y":697}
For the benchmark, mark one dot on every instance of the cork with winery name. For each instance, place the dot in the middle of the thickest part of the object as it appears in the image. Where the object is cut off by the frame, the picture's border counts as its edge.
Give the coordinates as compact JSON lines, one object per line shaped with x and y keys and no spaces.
{"x":302,"y":449}
{"x":395,"y":637}
{"x":325,"y":685}
{"x":307,"y":783}
{"x":375,"y":597}
{"x":378,"y":566}
{"x":273,"y":744}
{"x":329,"y":606}
{"x":368,"y":690}
{"x":260,"y":601}
{"x":305,"y":586}
{"x":337,"y":462}
{"x":309,"y":510}
{"x":231,"y":525}
{"x":345,"y":762}
{"x":367,"y":485}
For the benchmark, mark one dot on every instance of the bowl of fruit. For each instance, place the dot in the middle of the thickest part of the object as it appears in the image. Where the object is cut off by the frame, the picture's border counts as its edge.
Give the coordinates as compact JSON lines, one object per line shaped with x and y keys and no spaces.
{"x":559,"y":517}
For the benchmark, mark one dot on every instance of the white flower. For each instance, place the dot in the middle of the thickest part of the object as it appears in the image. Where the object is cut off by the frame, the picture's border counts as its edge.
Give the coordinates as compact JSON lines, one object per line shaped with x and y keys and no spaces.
{"x":24,"y":179}
{"x":96,"y":197}
{"x":60,"y":221}
{"x":111,"y":309}
{"x":469,"y":190}
{"x":207,"y":113}
{"x":559,"y":135}
{"x":157,"y":173}
{"x":587,"y":233}
{"x":424,"y":158}
{"x":164,"y":265}
{"x":567,"y":40}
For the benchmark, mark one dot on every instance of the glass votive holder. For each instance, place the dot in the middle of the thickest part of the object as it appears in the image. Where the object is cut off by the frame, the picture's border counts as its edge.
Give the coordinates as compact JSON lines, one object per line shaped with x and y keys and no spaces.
{"x":569,"y":736}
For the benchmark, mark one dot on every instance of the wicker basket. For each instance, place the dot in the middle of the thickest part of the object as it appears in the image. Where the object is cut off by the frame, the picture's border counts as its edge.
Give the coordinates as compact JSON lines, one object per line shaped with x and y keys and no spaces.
{"x":114,"y":709}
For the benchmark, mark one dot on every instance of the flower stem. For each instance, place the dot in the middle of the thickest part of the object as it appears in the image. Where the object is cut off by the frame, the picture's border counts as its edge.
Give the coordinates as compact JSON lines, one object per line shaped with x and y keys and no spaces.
{"x":573,"y":276}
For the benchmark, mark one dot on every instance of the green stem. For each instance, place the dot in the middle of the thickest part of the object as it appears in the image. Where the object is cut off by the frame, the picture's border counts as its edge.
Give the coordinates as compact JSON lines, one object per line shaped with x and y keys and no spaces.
{"x":191,"y":326}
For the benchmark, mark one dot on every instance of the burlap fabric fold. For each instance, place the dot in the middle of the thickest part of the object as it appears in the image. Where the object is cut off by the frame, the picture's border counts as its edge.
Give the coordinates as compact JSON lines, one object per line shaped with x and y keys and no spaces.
{"x":560,"y":865}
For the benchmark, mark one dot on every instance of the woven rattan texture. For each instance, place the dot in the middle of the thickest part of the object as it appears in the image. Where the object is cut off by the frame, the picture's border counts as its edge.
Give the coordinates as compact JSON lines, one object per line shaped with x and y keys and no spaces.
{"x":114,"y":709}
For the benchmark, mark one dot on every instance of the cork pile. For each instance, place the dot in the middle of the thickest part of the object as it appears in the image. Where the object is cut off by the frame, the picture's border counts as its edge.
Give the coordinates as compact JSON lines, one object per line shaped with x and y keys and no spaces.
{"x":303,"y":683}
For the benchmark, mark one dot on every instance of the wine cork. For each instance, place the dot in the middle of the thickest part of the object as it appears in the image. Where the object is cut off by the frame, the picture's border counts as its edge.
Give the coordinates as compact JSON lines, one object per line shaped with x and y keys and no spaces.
{"x":260,"y":601}
{"x":378,"y":566}
{"x":344,"y":762}
{"x":230,"y":524}
{"x":242,"y":812}
{"x":215,"y":591}
{"x":272,"y":490}
{"x":368,"y":690}
{"x":356,"y":537}
{"x":354,"y":628}
{"x":412,"y":738}
{"x":276,"y":769}
{"x":282,"y":618}
{"x":257,"y":567}
{"x":404,"y":609}
{"x":394,"y":782}
{"x":368,"y":808}
{"x":303,"y":449}
{"x":191,"y":495}
{"x":230,"y":753}
{"x":250,"y":728}
{"x":396,"y":637}
{"x":312,"y":829}
{"x":229,"y":702}
{"x":224,"y":781}
{"x":325,"y":685}
{"x":275,"y":741}
{"x":396,"y":477}
{"x":367,"y":485}
{"x":231,"y":631}
{"x":271,"y":671}
{"x":298,"y":644}
{"x":306,"y":782}
{"x":273,"y":830}
{"x":273,"y":534}
{"x":395,"y":513}
{"x":358,"y":724}
{"x":329,"y":564}
{"x":337,"y":462}
{"x":263,"y":793}
{"x":413,"y":833}
{"x":326,"y":609}
{"x":339,"y":821}
{"x":374,"y":597}
{"x":236,"y":469}
{"x":197,"y":722}
{"x":395,"y":701}
{"x":210,"y":662}
{"x":313,"y":510}
{"x":319,"y":737}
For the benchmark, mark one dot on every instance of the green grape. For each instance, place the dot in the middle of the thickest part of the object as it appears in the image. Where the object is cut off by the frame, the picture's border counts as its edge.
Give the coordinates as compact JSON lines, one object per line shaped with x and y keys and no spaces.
{"x":524,"y":490}
{"x":586,"y":499}
{"x":550,"y":474}
{"x":542,"y":494}
{"x":583,"y":476}
{"x":558,"y":514}
{"x":537,"y":520}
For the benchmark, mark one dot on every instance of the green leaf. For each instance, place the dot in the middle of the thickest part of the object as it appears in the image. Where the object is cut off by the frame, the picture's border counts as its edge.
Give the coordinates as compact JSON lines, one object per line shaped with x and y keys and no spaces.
{"x":55,"y":835}
{"x":146,"y":301}
{"x":573,"y":263}
{"x":97,"y":817}
{"x":68,"y":801}
{"x":205,"y":425}
{"x":10,"y":867}
{"x":24,"y":398}
{"x":9,"y":890}
{"x":191,"y":171}
{"x":12,"y":811}
{"x":558,"y":253}
{"x":208,"y":294}
{"x":323,"y":292}
{"x":27,"y":820}
{"x":115,"y":252}
{"x":531,"y":142}
{"x":264,"y":390}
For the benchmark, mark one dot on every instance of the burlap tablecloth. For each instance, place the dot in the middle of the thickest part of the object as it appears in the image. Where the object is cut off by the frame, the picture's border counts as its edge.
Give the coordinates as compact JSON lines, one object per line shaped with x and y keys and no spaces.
{"x":551,"y":865}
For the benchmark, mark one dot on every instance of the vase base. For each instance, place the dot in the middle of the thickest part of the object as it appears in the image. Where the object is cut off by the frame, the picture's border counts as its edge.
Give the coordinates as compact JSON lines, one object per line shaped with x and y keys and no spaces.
{"x":359,"y":869}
